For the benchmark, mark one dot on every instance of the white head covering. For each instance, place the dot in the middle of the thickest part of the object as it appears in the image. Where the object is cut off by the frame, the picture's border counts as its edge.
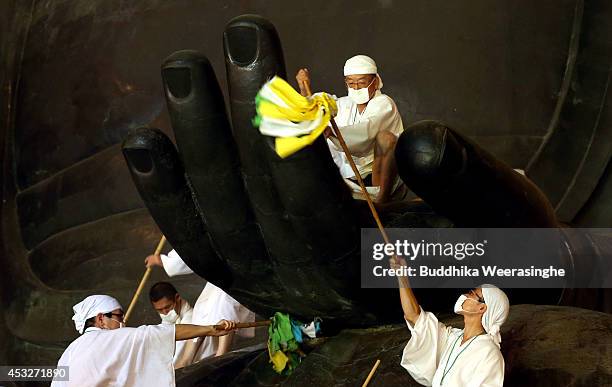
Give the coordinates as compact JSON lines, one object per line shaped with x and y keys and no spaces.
{"x":362,"y":64}
{"x":497,"y":311}
{"x":90,"y":307}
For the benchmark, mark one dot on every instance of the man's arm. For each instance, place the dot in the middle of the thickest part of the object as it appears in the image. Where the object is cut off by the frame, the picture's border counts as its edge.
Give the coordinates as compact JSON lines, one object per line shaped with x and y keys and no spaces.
{"x":153,"y":260}
{"x":303,"y":80}
{"x":190,"y":331}
{"x":225,"y":344}
{"x":189,"y":350}
{"x":172,"y":263}
{"x":410,"y":305}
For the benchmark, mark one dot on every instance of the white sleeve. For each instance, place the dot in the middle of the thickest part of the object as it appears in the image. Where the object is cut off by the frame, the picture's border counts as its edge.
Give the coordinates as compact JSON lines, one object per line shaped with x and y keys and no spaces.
{"x":235,"y":311}
{"x":381,"y":115}
{"x":63,"y":361}
{"x":147,"y":355}
{"x":174,"y":265}
{"x":214,"y":305}
{"x":159,"y":338}
{"x":427,"y":342}
{"x":489,"y":371}
{"x":229,"y":309}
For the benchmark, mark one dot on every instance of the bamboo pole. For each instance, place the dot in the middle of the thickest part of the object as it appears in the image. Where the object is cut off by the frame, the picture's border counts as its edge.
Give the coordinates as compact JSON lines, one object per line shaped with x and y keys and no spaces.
{"x":143,"y":281}
{"x":371,"y":374}
{"x":349,"y":157}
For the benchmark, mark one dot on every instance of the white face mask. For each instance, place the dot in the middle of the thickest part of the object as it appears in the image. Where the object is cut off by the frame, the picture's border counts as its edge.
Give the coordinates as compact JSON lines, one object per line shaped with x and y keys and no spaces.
{"x":169,"y":318}
{"x":459,"y":304}
{"x":360,"y":96}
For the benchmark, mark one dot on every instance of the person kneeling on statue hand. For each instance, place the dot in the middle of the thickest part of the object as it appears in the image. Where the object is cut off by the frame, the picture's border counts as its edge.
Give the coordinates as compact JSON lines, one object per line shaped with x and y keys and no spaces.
{"x":370,"y":124}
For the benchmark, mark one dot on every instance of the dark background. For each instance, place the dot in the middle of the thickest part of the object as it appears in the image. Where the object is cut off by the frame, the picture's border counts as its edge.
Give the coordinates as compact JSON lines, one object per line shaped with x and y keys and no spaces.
{"x":526,"y":80}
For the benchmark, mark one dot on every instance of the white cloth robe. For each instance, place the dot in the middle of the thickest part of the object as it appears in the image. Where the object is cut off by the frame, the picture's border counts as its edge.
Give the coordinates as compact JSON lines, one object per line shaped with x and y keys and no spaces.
{"x":185,"y":317}
{"x":212,"y":305}
{"x":359,"y":131}
{"x":121,"y":357}
{"x":426,"y":356}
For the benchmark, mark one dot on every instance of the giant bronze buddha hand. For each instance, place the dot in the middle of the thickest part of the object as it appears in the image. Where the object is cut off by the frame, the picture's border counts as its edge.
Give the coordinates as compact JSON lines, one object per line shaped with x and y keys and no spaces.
{"x":284,"y":234}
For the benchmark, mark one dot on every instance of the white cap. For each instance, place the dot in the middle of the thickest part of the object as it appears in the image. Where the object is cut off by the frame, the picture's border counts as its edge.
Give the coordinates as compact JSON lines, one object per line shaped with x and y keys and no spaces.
{"x":362,"y":64}
{"x":90,"y":307}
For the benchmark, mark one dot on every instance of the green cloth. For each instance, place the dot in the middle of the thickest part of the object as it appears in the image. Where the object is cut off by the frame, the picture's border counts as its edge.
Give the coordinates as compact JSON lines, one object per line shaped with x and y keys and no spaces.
{"x":281,"y":339}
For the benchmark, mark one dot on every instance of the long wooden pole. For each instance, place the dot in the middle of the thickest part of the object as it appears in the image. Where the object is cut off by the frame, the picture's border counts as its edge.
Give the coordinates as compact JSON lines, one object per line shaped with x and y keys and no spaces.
{"x":404,"y":282}
{"x":143,"y":281}
{"x":371,"y":373}
{"x":349,"y":157}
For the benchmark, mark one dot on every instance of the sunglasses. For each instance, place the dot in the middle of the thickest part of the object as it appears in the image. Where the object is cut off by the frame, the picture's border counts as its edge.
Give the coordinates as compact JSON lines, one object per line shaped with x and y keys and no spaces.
{"x":119,"y":316}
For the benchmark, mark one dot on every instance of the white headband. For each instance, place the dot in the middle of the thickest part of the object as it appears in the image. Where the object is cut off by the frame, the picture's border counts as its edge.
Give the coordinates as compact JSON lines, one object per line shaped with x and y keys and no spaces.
{"x":90,"y":307}
{"x":362,"y":64}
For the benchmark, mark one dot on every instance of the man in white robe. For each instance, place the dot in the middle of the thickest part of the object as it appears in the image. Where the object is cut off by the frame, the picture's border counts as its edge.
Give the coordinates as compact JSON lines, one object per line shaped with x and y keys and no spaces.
{"x":370,"y":124}
{"x":172,"y":309}
{"x":439,"y":355}
{"x":212,"y":303}
{"x":105,"y":355}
